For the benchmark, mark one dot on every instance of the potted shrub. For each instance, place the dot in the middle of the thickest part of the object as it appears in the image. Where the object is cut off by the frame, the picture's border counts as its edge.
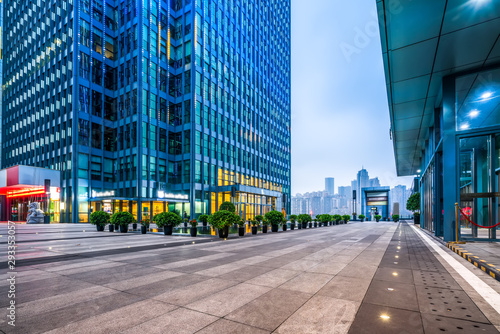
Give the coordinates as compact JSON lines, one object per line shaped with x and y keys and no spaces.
{"x":241,"y":228}
{"x":362,"y":218}
{"x":354,"y":216}
{"x":346,"y":218}
{"x":100,"y":219}
{"x":221,"y":220}
{"x":377,"y":218}
{"x":265,"y":224}
{"x":275,"y":218}
{"x":228,"y":206}
{"x":254,"y":226}
{"x":203,"y":219}
{"x":304,"y":219}
{"x":145,"y":225}
{"x":284,"y":224}
{"x":167,"y":221}
{"x":185,"y":221}
{"x":193,"y":230}
{"x":395,"y":218}
{"x":324,"y":219}
{"x":46,"y":218}
{"x":337,"y":219}
{"x":315,"y":220}
{"x":293,"y":219}
{"x":123,"y":219}
{"x":413,"y":204}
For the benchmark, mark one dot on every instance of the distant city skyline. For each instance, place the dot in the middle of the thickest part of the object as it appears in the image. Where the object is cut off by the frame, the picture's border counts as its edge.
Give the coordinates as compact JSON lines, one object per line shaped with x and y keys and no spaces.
{"x":340,"y":115}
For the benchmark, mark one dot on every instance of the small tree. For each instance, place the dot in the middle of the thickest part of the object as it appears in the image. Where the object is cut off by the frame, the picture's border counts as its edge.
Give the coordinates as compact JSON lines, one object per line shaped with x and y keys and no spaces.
{"x":99,"y":218}
{"x":228,"y":206}
{"x":259,"y":218}
{"x":223,"y":218}
{"x":361,"y":216}
{"x":203,"y":219}
{"x":395,"y":218}
{"x":274,"y":217}
{"x":122,"y":218}
{"x":304,"y":218}
{"x":413,"y":203}
{"x":167,"y":219}
{"x":346,"y":218}
{"x":293,"y":219}
{"x":337,"y":218}
{"x":324,"y":218}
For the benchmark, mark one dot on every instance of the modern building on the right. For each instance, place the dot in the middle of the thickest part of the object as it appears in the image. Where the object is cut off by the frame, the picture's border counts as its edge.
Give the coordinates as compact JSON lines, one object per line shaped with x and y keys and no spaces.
{"x":442,"y":67}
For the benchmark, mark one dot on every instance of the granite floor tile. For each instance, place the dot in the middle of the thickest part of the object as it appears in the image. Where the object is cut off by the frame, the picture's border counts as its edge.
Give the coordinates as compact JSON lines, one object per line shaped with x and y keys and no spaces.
{"x":264,"y":312}
{"x":321,"y":314}
{"x":220,"y":304}
{"x":274,"y":278}
{"x":346,"y":288}
{"x":223,"y":326}
{"x":118,"y":320}
{"x":307,"y":282}
{"x":179,"y":321}
{"x":194,"y":292}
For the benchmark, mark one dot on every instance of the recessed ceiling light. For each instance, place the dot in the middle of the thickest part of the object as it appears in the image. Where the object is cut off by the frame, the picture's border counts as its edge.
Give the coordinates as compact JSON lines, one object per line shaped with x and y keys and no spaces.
{"x":464,"y":126}
{"x":473,"y":113}
{"x":384,"y":317}
{"x":394,"y":274}
{"x":419,"y":170}
{"x":486,"y":95}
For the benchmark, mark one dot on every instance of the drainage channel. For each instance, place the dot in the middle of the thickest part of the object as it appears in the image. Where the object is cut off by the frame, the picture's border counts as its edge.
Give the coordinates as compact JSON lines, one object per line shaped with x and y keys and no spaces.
{"x":412,"y":292}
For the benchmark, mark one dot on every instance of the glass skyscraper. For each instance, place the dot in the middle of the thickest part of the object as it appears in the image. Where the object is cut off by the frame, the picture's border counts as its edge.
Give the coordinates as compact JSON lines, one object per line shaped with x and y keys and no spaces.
{"x":148,"y":106}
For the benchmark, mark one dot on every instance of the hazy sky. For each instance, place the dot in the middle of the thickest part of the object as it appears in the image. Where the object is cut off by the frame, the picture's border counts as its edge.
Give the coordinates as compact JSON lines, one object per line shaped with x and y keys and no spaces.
{"x":340,"y":115}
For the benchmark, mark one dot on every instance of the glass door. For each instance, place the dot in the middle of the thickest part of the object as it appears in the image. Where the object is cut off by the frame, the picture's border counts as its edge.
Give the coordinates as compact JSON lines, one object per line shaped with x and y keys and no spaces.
{"x":479,"y":160}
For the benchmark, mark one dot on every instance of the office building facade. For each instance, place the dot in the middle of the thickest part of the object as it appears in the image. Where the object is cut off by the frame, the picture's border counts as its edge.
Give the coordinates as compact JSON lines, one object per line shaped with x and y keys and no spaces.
{"x":443,"y":86}
{"x":151,"y":106}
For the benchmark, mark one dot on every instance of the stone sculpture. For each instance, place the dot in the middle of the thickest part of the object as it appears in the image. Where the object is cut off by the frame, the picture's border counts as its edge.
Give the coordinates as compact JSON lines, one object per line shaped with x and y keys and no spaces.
{"x":35,"y":215}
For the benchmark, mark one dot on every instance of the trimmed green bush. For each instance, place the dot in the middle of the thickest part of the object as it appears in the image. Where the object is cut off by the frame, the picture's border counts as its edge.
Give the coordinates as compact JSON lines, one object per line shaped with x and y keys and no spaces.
{"x":395,"y":218}
{"x":228,"y":206}
{"x":274,"y":217}
{"x":346,"y":218}
{"x":203,"y":218}
{"x":259,"y":218}
{"x":167,"y":219}
{"x":293,"y":219}
{"x":223,"y":218}
{"x":304,"y":218}
{"x":361,"y":216}
{"x":99,"y":218}
{"x":377,"y":217}
{"x":122,"y":218}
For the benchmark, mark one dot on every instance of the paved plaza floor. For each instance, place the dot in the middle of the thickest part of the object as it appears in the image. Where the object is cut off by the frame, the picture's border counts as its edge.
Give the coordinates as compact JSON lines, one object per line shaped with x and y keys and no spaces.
{"x":356,"y":278}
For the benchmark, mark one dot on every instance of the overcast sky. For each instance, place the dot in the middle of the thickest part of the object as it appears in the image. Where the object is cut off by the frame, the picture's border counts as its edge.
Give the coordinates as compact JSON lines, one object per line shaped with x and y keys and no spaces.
{"x":340,"y":115}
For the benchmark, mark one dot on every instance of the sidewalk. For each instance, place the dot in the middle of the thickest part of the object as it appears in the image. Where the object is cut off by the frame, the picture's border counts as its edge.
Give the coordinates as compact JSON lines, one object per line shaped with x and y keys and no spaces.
{"x":484,"y":255}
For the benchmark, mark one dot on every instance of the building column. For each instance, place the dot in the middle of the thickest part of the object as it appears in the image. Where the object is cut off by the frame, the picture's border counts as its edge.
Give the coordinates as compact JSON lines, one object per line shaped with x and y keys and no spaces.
{"x":450,"y":159}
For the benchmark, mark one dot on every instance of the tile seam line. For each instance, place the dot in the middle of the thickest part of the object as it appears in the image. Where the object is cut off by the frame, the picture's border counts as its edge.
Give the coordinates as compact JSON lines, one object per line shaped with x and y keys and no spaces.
{"x":483,"y":289}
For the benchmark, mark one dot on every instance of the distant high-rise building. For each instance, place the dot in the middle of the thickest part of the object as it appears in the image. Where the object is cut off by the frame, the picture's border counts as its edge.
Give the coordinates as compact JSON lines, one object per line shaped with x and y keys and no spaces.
{"x":374,"y":183}
{"x":399,"y":194}
{"x":330,"y":185}
{"x":363,"y":181}
{"x":345,"y":197}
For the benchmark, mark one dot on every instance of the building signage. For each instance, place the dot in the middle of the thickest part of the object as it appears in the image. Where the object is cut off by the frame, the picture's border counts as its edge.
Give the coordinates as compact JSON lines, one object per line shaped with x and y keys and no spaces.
{"x":162,"y":194}
{"x":26,"y":192}
{"x":107,"y":193}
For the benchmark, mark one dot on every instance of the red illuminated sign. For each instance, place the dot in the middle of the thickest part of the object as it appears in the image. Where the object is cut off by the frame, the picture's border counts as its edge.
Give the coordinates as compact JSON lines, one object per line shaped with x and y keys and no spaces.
{"x":26,"y":192}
